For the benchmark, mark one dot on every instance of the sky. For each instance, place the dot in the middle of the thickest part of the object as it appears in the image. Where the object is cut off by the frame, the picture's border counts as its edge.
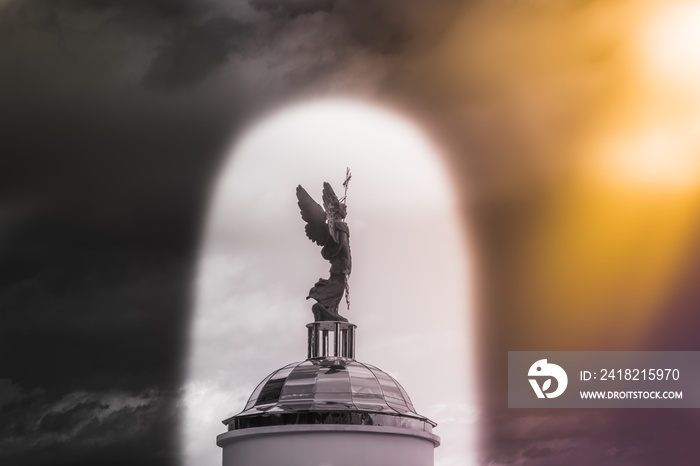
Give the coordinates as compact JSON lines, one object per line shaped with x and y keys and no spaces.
{"x":409,"y":288}
{"x":567,"y":131}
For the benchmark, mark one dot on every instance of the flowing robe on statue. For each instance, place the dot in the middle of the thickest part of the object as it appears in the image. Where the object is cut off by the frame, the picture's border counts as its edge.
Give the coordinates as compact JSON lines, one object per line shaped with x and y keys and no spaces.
{"x":328,"y":293}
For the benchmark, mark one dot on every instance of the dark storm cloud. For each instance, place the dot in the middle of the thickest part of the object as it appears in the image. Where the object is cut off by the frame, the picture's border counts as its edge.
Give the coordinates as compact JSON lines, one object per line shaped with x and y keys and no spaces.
{"x":81,"y":426}
{"x":375,"y":27}
{"x":535,"y":452}
{"x":153,"y":8}
{"x":531,"y":438}
{"x":193,"y":53}
{"x":294,"y":8}
{"x":83,"y":326}
{"x":630,"y":437}
{"x":69,"y":49}
{"x":103,"y":184}
{"x":84,"y":303}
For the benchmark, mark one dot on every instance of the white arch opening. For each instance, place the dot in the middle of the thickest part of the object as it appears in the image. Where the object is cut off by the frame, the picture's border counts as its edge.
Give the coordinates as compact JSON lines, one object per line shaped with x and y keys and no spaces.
{"x":410,"y":295}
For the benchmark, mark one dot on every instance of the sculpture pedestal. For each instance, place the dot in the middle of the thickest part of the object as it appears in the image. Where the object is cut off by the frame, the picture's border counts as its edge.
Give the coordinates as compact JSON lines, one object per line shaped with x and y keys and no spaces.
{"x":331,"y":339}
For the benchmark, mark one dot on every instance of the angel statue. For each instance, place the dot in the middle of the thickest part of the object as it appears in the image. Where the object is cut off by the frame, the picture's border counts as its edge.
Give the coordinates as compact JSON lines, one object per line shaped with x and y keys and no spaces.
{"x":328,"y":229}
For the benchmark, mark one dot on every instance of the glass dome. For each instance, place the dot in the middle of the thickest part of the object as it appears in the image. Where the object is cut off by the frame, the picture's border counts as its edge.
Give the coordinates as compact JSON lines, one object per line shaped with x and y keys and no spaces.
{"x":329,"y":391}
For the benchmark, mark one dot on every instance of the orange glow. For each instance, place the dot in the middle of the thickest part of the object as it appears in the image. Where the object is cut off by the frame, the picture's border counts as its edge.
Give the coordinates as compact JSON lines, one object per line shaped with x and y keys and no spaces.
{"x":669,"y":43}
{"x":610,"y":239}
{"x":661,"y":157}
{"x":603,"y":262}
{"x":650,"y":138}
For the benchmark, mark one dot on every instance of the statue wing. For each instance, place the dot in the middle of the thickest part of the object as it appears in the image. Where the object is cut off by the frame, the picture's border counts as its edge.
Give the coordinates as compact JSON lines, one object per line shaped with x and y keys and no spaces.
{"x":332,"y":205}
{"x":314,"y":216}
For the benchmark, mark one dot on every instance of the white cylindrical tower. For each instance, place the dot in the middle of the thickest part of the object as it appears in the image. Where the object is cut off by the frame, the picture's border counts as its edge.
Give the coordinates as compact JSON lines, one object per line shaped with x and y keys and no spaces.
{"x":329,"y":410}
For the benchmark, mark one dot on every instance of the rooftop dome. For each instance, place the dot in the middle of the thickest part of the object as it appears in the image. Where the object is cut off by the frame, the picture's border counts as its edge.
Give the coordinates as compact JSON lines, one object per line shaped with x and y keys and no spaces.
{"x":330,"y":387}
{"x":329,"y":391}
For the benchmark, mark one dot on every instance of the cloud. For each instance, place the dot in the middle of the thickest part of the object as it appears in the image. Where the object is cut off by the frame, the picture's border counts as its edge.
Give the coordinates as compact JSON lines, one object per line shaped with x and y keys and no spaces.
{"x":195,"y":51}
{"x":209,"y":402}
{"x":80,"y":424}
{"x":586,"y":437}
{"x":293,"y":8}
